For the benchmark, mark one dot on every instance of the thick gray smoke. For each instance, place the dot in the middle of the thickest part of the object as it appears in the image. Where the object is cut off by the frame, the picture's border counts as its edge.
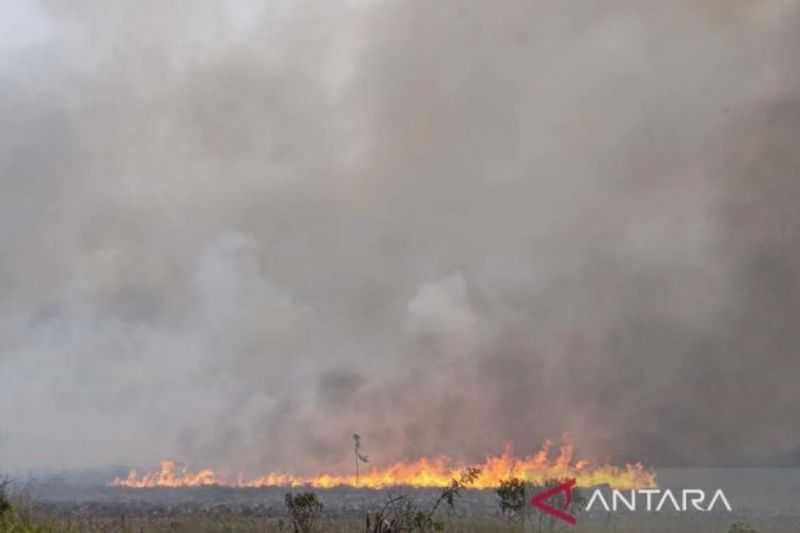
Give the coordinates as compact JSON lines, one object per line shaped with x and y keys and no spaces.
{"x":237,"y":236}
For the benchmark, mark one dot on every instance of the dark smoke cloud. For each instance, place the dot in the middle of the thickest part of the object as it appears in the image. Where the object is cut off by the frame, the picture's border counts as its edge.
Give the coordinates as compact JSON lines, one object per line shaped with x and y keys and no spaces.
{"x":238,"y":236}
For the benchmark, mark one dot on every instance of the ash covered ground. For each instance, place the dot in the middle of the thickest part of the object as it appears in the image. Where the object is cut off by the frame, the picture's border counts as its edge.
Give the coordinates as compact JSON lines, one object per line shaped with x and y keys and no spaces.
{"x":267,"y":501}
{"x":766,"y":498}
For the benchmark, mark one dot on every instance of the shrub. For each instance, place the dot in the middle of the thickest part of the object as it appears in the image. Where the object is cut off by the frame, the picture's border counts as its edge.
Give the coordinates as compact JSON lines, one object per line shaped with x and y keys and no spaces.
{"x":512,"y":501}
{"x":741,"y":527}
{"x":304,"y":510}
{"x":401,"y":515}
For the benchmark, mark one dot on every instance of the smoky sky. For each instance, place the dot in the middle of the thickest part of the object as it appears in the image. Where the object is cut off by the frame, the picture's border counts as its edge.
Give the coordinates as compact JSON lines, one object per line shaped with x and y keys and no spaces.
{"x":238,"y":233}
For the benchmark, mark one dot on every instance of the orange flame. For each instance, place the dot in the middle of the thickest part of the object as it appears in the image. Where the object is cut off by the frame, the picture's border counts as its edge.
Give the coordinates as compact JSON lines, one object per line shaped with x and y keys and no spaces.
{"x":425,"y":472}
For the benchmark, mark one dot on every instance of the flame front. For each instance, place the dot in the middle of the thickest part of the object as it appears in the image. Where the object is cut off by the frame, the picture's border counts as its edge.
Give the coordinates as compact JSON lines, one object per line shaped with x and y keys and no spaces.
{"x":425,"y":472}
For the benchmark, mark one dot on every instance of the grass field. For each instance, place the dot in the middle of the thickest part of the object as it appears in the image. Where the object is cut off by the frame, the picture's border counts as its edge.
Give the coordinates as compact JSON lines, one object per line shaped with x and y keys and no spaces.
{"x":220,"y":524}
{"x":28,"y":516}
{"x":764,"y":501}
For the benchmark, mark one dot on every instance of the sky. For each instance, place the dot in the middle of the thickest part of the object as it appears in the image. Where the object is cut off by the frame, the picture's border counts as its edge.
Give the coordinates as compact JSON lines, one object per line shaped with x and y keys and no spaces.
{"x":237,"y":235}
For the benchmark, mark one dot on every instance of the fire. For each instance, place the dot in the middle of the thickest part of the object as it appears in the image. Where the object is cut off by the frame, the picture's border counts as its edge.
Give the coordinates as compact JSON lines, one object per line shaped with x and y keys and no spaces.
{"x":425,"y":472}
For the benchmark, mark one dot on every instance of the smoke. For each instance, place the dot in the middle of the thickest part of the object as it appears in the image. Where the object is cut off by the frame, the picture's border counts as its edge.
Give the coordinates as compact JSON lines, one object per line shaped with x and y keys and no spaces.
{"x":237,"y":236}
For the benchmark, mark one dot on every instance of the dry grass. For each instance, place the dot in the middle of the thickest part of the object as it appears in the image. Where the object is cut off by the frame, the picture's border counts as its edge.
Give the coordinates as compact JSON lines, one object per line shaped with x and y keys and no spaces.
{"x":33,"y":522}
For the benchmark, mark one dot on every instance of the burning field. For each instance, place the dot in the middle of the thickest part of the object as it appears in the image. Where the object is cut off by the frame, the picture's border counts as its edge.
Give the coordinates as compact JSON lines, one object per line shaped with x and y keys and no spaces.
{"x":234,"y":234}
{"x":423,"y":473}
{"x":498,"y":494}
{"x":176,"y":500}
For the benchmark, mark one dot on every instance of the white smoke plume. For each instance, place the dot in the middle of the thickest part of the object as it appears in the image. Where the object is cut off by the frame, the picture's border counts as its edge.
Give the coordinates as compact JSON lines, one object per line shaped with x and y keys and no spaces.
{"x":238,"y":235}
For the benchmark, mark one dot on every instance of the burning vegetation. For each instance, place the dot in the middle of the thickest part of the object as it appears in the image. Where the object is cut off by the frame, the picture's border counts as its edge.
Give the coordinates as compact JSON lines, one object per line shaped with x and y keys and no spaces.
{"x":424,"y":472}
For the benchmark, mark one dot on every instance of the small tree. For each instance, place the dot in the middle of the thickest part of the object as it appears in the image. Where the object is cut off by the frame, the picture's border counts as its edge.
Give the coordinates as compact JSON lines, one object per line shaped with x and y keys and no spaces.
{"x":449,"y":494}
{"x":357,"y":451}
{"x":304,"y":510}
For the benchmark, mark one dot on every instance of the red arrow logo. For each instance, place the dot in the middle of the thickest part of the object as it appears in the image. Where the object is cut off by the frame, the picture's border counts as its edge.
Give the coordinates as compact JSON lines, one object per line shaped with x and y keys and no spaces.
{"x":539,"y":499}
